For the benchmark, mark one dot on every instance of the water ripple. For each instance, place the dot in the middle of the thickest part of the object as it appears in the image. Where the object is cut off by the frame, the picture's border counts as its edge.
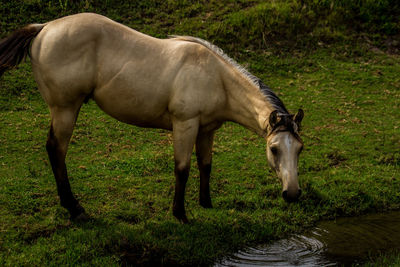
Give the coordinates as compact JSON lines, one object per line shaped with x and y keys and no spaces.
{"x":345,"y":241}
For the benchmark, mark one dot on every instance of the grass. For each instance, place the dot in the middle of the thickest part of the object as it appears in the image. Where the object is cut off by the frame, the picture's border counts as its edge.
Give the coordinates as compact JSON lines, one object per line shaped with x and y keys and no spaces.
{"x":123,"y":175}
{"x":391,"y":258}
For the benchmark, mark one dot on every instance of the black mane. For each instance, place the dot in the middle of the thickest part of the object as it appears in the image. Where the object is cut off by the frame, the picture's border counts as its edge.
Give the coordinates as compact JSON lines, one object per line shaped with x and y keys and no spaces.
{"x":273,"y":98}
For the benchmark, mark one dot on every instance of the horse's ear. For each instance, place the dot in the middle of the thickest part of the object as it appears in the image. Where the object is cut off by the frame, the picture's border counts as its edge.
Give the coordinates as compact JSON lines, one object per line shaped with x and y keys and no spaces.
{"x":273,"y":118}
{"x":299,"y":117}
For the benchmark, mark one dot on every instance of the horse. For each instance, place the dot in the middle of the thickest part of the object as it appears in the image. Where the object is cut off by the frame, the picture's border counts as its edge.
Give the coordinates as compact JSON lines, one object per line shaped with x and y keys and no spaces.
{"x":182,"y":83}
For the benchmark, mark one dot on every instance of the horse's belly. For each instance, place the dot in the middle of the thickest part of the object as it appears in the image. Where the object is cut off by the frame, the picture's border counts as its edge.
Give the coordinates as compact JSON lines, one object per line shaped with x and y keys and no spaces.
{"x":133,"y":96}
{"x":134,"y":108}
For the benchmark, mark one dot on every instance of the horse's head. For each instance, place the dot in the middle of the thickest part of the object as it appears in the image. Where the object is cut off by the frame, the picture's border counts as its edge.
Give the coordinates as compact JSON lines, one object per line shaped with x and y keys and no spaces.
{"x":283,"y":149}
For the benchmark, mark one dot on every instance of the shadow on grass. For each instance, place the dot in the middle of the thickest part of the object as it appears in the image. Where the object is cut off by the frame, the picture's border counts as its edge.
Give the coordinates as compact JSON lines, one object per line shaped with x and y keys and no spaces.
{"x":161,"y":243}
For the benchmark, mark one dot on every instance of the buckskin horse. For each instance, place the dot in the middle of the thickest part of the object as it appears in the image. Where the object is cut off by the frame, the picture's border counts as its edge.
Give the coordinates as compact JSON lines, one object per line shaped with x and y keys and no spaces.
{"x":183,"y":84}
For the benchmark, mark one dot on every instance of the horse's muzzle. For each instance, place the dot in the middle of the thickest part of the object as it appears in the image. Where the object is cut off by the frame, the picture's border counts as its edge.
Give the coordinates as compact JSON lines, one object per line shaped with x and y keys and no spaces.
{"x":291,"y":197}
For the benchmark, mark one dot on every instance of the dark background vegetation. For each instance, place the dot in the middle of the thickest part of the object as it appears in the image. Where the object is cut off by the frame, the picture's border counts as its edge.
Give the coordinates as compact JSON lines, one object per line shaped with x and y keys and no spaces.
{"x":284,"y":24}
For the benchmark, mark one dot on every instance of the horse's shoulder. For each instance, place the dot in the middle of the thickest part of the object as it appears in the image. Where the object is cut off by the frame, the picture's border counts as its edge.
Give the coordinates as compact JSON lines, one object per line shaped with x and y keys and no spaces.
{"x":193,"y":52}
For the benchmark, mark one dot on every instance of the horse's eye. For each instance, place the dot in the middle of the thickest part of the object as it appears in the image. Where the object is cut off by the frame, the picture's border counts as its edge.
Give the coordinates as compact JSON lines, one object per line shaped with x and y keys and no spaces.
{"x":274,"y":150}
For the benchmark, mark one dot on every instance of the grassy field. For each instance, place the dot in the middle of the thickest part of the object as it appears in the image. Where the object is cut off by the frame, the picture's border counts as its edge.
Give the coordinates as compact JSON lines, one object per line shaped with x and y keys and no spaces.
{"x":123,"y":175}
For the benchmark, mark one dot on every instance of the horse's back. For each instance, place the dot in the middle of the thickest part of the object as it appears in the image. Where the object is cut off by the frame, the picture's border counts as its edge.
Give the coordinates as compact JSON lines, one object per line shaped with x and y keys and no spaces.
{"x":86,"y":51}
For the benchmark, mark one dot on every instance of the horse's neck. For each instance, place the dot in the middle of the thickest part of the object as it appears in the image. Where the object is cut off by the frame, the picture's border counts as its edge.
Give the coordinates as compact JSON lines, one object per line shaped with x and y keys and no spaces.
{"x":247,"y":105}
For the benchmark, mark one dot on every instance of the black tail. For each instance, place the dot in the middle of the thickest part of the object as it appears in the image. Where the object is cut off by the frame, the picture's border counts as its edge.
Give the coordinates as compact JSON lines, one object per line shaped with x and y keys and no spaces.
{"x":15,"y":48}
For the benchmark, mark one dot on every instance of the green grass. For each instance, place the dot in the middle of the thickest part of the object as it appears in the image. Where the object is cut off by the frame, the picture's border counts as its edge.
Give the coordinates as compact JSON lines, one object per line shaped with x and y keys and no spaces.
{"x":387,"y":258}
{"x":123,"y":175}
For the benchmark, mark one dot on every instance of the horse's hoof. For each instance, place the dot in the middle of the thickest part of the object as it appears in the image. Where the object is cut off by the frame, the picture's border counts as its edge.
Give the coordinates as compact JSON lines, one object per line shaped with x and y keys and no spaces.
{"x":206,"y":204}
{"x":181,"y":216}
{"x":184,"y":220}
{"x":83,"y":217}
{"x":78,"y":214}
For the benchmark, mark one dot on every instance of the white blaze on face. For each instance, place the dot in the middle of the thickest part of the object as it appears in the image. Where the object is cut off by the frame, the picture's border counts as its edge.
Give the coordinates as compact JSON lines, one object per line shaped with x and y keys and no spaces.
{"x":282,"y":151}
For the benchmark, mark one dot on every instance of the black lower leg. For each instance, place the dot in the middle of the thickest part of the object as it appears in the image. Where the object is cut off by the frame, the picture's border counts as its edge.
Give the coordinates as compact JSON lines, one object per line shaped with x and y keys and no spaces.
{"x":68,"y":201}
{"x":178,"y":208}
{"x":205,"y":199}
{"x":57,"y":161}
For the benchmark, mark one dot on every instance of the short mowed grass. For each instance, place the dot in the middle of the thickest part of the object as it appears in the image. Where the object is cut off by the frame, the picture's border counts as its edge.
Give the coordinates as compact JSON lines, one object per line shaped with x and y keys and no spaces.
{"x":123,"y":175}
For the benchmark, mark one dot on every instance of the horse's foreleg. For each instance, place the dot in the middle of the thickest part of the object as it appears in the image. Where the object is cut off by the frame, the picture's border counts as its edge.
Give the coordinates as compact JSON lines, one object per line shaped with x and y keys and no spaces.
{"x":204,"y":144}
{"x":62,"y":124}
{"x":184,"y":136}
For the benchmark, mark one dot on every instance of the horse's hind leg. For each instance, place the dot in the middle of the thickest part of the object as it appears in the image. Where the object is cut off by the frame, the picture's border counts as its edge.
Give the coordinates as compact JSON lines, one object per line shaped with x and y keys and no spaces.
{"x":204,"y":144}
{"x":62,"y":123}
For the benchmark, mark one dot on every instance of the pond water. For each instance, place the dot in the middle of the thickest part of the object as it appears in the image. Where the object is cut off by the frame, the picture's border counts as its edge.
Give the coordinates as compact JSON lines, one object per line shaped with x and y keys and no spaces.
{"x":345,"y":241}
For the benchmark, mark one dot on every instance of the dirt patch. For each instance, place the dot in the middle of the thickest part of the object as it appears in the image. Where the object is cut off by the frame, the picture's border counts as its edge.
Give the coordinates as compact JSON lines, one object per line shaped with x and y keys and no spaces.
{"x":335,"y":158}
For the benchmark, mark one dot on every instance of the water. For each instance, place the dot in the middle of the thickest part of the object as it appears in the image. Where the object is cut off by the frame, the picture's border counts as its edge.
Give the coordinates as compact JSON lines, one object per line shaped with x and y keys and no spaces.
{"x":345,"y":241}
